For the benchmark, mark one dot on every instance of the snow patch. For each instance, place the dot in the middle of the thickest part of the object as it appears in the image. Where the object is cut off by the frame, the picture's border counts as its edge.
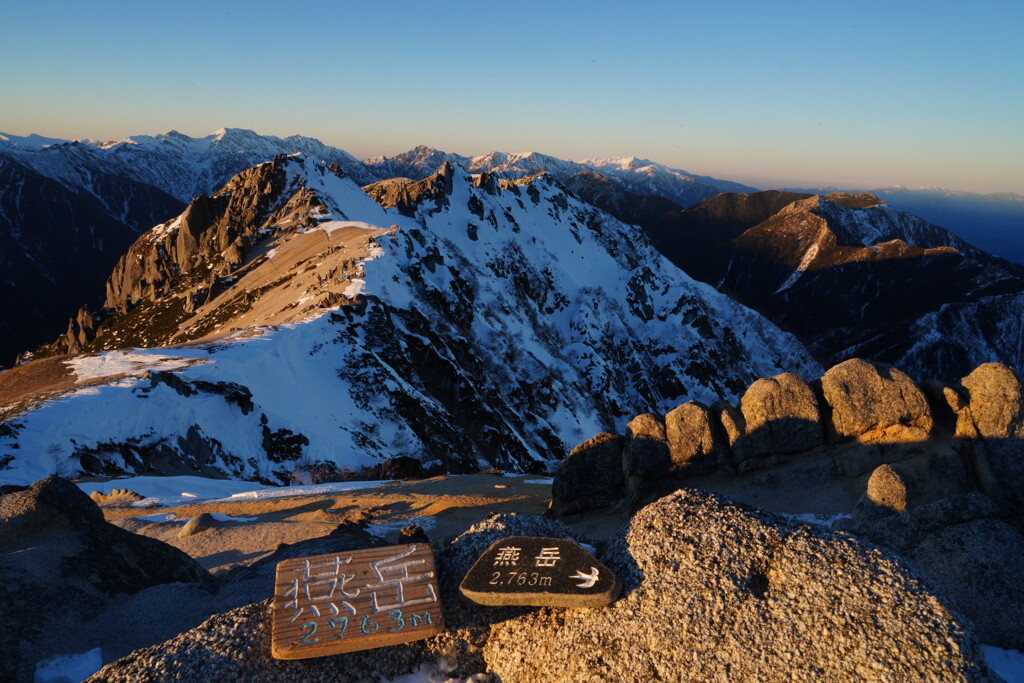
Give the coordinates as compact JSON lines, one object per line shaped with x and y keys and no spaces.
{"x":1007,"y":663}
{"x":330,"y":226}
{"x":384,"y":529}
{"x":187,"y":489}
{"x":816,"y":519}
{"x":805,"y":263}
{"x":221,"y":517}
{"x":136,"y":361}
{"x":159,"y":519}
{"x":69,"y":668}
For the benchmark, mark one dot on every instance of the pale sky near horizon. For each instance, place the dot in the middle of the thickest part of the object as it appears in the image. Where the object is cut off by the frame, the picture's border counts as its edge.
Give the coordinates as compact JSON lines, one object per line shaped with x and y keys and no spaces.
{"x":769,"y":93}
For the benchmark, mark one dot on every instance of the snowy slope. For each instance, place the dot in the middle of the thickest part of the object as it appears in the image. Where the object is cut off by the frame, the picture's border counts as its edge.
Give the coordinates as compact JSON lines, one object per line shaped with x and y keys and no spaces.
{"x":494,"y":327}
{"x":964,"y":334}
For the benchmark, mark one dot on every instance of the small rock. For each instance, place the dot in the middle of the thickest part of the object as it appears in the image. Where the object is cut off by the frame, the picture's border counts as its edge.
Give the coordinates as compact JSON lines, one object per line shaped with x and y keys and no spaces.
{"x":413,"y":534}
{"x":198,"y":524}
{"x":918,"y":481}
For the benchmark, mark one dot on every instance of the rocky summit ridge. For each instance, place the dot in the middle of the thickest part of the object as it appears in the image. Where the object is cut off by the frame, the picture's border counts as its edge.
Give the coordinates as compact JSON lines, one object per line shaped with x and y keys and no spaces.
{"x":713,"y":590}
{"x":477,"y":322}
{"x":932,"y":472}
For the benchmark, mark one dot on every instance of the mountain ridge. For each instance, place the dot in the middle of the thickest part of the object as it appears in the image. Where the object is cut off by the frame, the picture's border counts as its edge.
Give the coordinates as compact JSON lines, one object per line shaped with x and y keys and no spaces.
{"x":492,"y":325}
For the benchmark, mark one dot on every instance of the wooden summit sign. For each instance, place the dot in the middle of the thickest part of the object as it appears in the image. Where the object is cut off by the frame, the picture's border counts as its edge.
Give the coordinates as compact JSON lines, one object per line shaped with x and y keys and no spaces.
{"x":354,"y":600}
{"x":539,"y":572}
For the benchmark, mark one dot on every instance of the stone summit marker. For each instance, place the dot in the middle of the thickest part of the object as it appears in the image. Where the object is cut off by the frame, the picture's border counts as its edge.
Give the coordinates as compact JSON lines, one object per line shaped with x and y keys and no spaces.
{"x":354,"y":600}
{"x":539,"y":572}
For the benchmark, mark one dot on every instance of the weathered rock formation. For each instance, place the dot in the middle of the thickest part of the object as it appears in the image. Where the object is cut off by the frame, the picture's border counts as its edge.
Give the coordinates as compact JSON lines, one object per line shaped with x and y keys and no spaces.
{"x":779,"y":416}
{"x":990,"y":428}
{"x":714,"y":591}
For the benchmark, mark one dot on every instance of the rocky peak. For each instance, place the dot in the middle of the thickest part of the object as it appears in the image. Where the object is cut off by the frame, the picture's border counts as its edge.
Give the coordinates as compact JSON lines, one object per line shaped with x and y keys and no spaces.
{"x":405,"y":194}
{"x":264,"y":199}
{"x":859,"y":200}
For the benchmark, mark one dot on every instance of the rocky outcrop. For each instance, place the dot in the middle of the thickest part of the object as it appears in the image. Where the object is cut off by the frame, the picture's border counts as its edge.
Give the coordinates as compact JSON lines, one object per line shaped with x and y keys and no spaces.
{"x":714,"y":590}
{"x":978,"y":565}
{"x":590,"y":477}
{"x":406,"y":195}
{"x":874,"y":403}
{"x":696,"y":442}
{"x":780,"y":416}
{"x":862,"y":418}
{"x":646,"y":456}
{"x":960,"y":543}
{"x":990,"y":429}
{"x":211,"y":235}
{"x":115,"y":497}
{"x":61,"y":563}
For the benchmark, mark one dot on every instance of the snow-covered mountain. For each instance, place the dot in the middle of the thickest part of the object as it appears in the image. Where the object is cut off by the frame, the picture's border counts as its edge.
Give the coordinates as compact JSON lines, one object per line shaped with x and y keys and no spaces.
{"x":303,"y":326}
{"x":638,"y":176}
{"x":963,"y":334}
{"x":182,"y":166}
{"x":57,"y":241}
{"x":108,"y":191}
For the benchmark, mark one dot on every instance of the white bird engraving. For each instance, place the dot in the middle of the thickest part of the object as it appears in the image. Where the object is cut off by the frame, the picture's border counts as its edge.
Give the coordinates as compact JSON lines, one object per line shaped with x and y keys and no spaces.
{"x":586,"y":580}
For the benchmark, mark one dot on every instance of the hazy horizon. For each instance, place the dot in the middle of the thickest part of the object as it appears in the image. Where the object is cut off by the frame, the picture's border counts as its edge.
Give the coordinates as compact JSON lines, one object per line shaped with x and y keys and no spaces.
{"x":798,"y":94}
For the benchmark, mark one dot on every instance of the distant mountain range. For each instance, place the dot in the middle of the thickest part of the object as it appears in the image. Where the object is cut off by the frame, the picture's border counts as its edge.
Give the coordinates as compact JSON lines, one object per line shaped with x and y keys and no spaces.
{"x":852,"y":277}
{"x":638,"y":176}
{"x":68,"y":209}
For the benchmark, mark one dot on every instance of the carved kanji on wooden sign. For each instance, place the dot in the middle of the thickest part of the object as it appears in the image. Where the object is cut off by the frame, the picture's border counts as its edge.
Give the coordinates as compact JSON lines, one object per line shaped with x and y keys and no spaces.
{"x":354,"y":600}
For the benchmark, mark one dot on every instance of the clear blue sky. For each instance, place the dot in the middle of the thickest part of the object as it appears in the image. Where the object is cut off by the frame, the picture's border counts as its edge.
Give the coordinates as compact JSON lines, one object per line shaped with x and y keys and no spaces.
{"x":770,"y":92}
